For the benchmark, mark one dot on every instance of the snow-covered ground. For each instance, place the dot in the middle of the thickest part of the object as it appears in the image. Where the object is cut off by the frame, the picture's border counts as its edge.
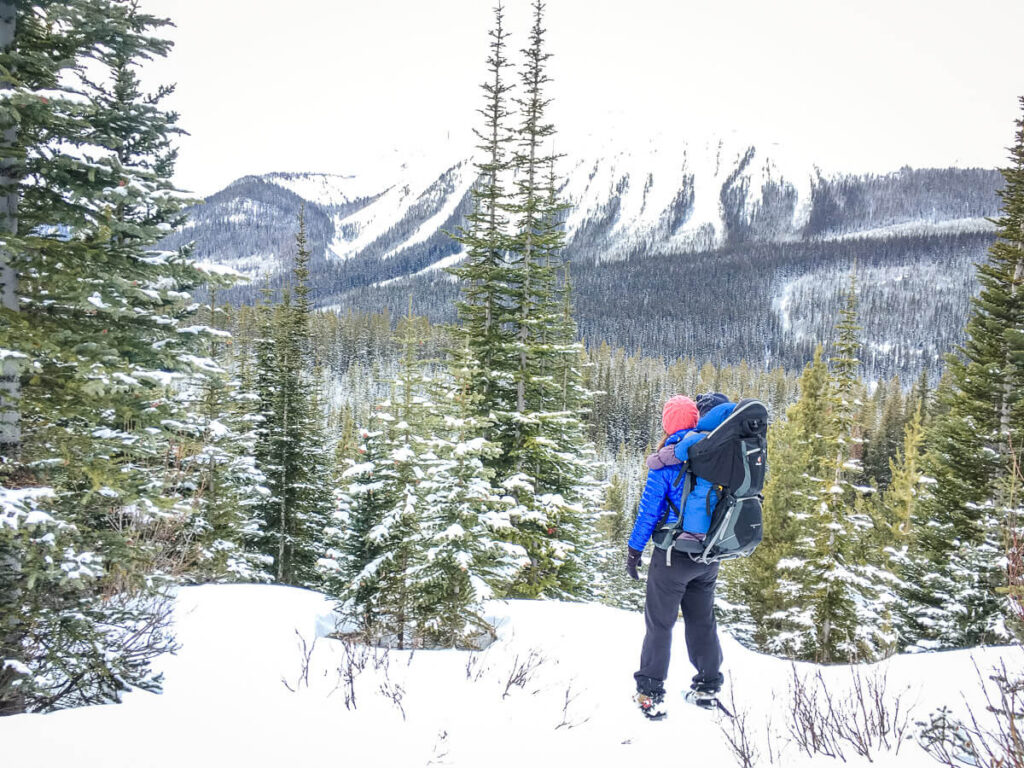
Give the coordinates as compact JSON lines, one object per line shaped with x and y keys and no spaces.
{"x":225,"y":701}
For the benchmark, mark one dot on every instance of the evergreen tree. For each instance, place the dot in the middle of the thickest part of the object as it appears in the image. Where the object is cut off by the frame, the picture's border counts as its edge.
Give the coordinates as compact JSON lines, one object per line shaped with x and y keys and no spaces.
{"x":920,"y":399}
{"x":463,"y":518}
{"x":813,"y":588}
{"x":775,"y":583}
{"x":520,"y":345}
{"x":893,"y":513}
{"x":226,"y":485}
{"x":848,"y":625}
{"x":292,"y":452}
{"x":887,"y":437}
{"x":99,"y":330}
{"x":977,"y":424}
{"x":899,"y":500}
{"x":368,"y":491}
{"x":548,"y":460}
{"x":414,"y":550}
{"x":613,"y":586}
{"x":485,"y":273}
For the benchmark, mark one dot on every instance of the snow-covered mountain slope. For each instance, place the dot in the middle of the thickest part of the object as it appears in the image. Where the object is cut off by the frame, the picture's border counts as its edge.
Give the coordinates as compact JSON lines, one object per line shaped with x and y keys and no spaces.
{"x":648,"y":222}
{"x":678,"y":197}
{"x":668,"y":195}
{"x":227,"y":702}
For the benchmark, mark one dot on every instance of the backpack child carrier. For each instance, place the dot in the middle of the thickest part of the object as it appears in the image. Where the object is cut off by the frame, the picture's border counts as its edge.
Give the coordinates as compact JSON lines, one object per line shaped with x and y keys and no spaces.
{"x":734,"y":458}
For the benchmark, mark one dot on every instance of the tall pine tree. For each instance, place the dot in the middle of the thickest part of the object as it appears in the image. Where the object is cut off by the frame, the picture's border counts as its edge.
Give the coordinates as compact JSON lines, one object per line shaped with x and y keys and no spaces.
{"x":292,"y":449}
{"x":487,"y":351}
{"x":520,"y":336}
{"x":99,"y":330}
{"x":957,"y":559}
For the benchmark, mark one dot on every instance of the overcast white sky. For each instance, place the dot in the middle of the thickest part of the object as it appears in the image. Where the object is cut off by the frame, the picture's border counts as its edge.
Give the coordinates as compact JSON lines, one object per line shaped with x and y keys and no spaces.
{"x":322,"y":85}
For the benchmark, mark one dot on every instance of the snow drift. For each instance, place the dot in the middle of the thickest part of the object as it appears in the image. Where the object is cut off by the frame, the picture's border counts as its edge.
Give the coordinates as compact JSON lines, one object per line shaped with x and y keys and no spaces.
{"x":258,"y":682}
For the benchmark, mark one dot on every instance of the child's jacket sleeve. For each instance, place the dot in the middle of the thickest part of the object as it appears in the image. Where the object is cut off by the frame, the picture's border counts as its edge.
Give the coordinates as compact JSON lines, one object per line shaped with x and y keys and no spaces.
{"x":682,"y":449}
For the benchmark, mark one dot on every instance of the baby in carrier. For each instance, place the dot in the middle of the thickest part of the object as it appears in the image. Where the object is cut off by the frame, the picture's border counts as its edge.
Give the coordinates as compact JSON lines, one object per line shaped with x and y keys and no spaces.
{"x":713,"y":409}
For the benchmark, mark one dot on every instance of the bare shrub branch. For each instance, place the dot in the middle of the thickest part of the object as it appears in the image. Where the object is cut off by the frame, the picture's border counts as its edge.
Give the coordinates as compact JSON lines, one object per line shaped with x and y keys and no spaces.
{"x":440,"y":749}
{"x":807,"y":723}
{"x":522,"y":671}
{"x":566,"y":722}
{"x":955,"y":743}
{"x":306,"y":649}
{"x":868,"y":719}
{"x":355,"y":658}
{"x":738,"y":736}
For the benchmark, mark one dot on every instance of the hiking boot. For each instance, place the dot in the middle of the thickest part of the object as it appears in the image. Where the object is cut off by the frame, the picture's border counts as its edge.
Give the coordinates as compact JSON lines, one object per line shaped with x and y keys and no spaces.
{"x":651,"y":704}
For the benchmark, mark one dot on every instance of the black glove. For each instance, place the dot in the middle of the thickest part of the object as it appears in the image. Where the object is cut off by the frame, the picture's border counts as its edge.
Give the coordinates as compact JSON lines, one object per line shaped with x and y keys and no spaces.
{"x":632,"y":563}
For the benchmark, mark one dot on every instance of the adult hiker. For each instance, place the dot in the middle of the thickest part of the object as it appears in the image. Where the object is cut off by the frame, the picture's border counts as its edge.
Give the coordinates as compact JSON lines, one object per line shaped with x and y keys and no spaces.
{"x":679,"y":582}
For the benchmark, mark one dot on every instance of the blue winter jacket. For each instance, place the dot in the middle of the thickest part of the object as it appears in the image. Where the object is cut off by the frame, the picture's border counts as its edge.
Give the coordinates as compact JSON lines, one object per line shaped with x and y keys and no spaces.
{"x":661,"y":485}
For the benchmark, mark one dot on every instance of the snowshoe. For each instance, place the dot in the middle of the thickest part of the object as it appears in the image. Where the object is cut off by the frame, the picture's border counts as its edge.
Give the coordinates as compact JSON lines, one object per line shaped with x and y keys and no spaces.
{"x":652,"y":705}
{"x":705,"y":700}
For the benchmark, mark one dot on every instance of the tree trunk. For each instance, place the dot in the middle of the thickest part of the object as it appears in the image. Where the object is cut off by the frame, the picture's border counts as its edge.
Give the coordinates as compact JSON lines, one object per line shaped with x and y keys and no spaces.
{"x":10,"y":434}
{"x":12,"y":701}
{"x":1008,"y":393}
{"x":283,"y":569}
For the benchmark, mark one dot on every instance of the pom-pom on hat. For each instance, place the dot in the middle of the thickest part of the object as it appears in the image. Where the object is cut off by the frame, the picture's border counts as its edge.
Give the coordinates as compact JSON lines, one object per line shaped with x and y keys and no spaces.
{"x":709,"y":400}
{"x":680,"y":412}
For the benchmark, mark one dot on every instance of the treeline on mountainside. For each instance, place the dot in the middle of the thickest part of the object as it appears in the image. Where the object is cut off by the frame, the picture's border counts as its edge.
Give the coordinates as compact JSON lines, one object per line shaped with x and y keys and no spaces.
{"x":848,"y":204}
{"x":254,"y":217}
{"x":915,"y":296}
{"x":916,"y":287}
{"x":411,"y":470}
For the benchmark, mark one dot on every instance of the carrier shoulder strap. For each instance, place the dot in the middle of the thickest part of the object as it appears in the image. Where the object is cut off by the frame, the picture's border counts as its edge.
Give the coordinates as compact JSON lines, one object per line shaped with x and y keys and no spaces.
{"x":677,"y":527}
{"x":669,"y":506}
{"x":682,"y":471}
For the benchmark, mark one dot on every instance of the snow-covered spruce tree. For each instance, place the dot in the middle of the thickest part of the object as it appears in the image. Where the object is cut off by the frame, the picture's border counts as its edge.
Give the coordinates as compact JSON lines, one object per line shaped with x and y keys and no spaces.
{"x":99,"y":326}
{"x":219,"y":435}
{"x":518,"y":339}
{"x":956,"y":557}
{"x":486,"y":351}
{"x":414,"y":551}
{"x":292,"y":450}
{"x":462,"y":525}
{"x":886,"y":436}
{"x":547,"y":460}
{"x":816,"y":592}
{"x":398,"y":534}
{"x":612,"y":586}
{"x":892,"y":512}
{"x":773,"y":583}
{"x":854,"y":614}
{"x":367,"y":492}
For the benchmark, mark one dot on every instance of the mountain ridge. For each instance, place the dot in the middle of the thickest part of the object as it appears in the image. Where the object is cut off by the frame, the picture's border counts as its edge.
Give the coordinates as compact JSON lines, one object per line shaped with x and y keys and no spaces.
{"x":382,"y":235}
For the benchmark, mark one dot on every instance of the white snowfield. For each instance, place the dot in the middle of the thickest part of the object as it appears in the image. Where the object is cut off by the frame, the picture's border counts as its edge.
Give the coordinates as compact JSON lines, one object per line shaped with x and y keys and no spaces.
{"x":225,"y":701}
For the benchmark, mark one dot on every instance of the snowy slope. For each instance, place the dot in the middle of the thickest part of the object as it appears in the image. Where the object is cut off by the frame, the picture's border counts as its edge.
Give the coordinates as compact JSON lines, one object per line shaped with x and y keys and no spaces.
{"x":668,"y":194}
{"x":225,"y":701}
{"x":414,"y":206}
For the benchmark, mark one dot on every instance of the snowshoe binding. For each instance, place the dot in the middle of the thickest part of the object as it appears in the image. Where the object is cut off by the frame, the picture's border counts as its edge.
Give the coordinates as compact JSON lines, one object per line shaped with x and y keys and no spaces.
{"x":652,"y":705}
{"x":705,"y":700}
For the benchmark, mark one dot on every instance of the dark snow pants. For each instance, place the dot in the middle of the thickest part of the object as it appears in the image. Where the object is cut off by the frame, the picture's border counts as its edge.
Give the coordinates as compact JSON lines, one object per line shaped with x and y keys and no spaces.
{"x":690,"y":586}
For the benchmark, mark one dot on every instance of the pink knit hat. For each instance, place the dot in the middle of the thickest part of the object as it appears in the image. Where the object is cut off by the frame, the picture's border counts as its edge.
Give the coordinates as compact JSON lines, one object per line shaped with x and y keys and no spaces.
{"x":680,"y":412}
